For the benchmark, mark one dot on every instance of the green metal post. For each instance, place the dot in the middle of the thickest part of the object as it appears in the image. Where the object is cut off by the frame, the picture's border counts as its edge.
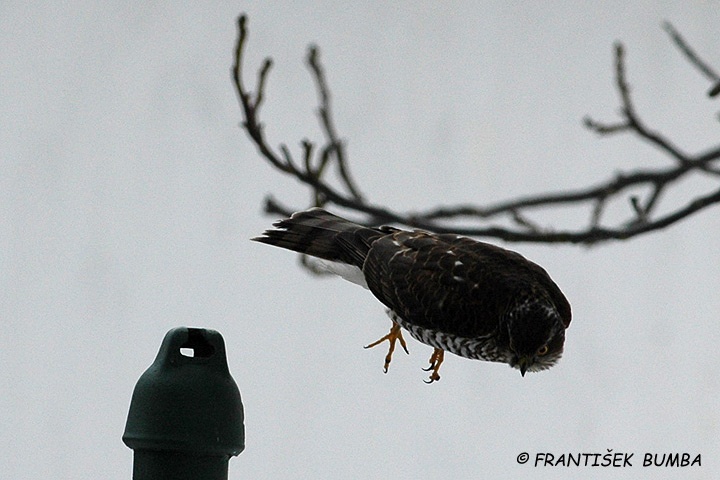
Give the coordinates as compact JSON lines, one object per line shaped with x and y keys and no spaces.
{"x":186,"y":416}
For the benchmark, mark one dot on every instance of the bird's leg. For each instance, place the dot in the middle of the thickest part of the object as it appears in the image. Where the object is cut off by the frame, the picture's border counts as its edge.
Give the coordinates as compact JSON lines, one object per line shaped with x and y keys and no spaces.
{"x":394,"y":335}
{"x":436,"y":360}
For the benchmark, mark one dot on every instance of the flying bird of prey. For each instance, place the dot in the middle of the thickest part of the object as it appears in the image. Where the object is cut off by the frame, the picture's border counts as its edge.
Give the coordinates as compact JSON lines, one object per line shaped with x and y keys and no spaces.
{"x":450,"y":292}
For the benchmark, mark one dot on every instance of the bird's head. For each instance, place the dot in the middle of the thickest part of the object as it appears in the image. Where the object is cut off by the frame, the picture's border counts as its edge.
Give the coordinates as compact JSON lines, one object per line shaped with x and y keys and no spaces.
{"x":536,"y":335}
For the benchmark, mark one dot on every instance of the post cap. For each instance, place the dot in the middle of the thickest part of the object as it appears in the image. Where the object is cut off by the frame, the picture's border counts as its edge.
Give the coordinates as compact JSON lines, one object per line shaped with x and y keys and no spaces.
{"x":187,"y":403}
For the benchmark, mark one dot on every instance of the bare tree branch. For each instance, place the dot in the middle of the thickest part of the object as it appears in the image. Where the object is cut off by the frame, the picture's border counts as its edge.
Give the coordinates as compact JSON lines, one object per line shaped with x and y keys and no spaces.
{"x":642,"y":216}
{"x":693,"y":58}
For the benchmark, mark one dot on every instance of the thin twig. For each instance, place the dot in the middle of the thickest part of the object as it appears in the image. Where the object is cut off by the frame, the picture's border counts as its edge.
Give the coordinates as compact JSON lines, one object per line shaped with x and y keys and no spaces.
{"x":335,"y":145}
{"x":692,"y":57}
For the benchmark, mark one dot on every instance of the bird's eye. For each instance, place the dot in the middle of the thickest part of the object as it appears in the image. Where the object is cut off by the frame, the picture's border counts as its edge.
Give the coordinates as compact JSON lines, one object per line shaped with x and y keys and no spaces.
{"x":542,"y":350}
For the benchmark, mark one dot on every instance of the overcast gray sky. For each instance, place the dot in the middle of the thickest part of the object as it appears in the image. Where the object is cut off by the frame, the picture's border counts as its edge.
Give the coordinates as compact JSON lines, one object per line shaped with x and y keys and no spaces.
{"x":128,"y":194}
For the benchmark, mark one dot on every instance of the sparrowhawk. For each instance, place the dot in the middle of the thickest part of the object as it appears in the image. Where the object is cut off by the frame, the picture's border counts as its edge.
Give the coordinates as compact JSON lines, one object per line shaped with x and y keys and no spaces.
{"x":450,"y":292}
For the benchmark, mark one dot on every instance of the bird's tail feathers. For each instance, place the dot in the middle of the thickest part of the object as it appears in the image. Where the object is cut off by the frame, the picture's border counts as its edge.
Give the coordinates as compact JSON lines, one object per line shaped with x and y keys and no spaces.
{"x":321,"y":234}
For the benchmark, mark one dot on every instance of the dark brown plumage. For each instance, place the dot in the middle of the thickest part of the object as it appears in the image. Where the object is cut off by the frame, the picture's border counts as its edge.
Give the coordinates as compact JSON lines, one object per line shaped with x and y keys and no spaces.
{"x":451,"y":292}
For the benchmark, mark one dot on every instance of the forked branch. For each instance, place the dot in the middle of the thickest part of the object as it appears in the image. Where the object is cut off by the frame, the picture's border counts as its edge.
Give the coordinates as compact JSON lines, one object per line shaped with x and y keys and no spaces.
{"x":509,"y":220}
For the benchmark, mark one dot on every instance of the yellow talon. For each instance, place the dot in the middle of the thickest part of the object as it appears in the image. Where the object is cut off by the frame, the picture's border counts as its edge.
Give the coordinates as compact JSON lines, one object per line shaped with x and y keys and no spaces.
{"x":436,"y":360}
{"x":394,"y":335}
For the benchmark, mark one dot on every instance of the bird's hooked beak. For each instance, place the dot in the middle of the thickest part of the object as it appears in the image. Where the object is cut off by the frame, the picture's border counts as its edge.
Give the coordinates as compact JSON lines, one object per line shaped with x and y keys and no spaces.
{"x":523,"y":364}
